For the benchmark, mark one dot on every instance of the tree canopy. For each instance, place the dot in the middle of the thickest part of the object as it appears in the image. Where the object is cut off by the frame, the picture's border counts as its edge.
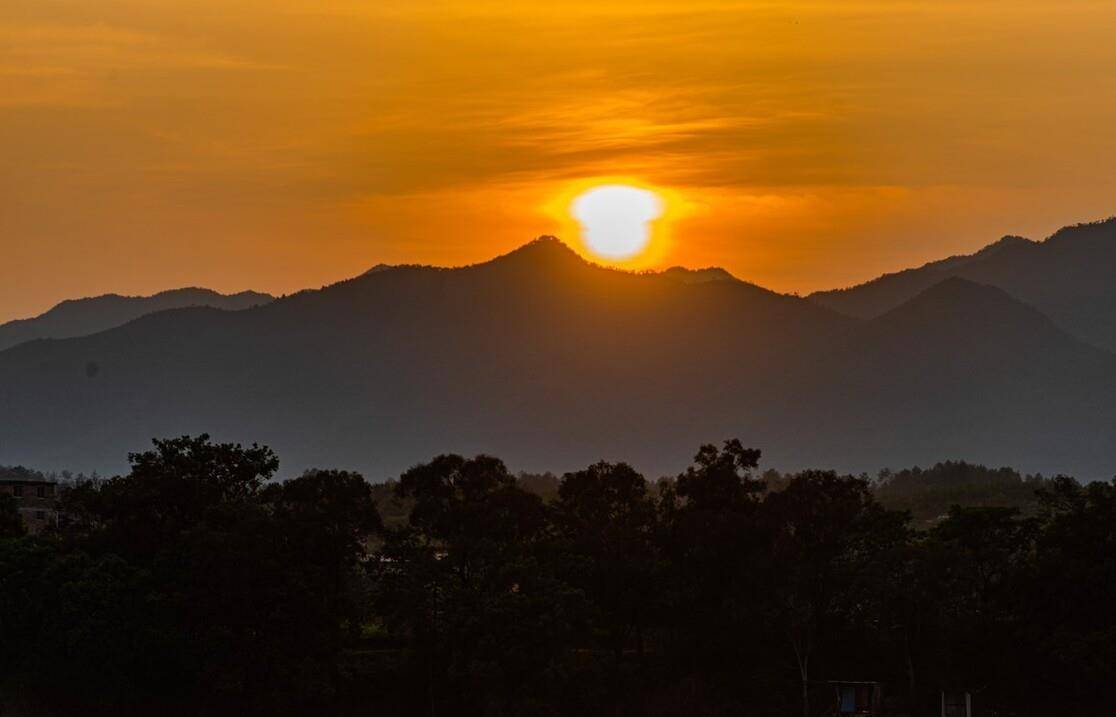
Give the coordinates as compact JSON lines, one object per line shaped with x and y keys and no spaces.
{"x":198,"y":583}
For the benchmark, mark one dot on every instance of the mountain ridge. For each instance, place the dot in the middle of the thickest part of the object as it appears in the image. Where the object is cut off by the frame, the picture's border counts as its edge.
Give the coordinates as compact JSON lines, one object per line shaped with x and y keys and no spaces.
{"x":1066,"y":276}
{"x":553,"y":362}
{"x":89,"y":315}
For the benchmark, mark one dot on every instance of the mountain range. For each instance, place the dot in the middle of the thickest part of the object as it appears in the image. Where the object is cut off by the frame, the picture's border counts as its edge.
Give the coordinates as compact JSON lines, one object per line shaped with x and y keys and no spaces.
{"x":552,"y":362}
{"x":1068,"y":277}
{"x":81,"y":317}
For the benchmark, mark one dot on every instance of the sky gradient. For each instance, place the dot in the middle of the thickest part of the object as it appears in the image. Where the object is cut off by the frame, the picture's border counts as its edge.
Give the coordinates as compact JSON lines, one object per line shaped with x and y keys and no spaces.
{"x":282,"y":144}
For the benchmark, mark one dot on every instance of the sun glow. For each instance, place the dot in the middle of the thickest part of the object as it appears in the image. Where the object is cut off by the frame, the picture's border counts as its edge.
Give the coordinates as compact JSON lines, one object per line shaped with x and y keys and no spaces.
{"x":615,"y":219}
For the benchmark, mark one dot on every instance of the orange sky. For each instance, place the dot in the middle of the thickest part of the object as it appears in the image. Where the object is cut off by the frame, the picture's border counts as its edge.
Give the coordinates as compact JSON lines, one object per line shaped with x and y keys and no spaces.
{"x":280,"y":144}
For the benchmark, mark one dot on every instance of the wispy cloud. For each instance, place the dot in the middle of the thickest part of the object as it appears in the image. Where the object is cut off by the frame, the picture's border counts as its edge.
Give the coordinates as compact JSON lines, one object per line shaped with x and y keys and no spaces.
{"x":820,"y":141}
{"x":80,"y":64}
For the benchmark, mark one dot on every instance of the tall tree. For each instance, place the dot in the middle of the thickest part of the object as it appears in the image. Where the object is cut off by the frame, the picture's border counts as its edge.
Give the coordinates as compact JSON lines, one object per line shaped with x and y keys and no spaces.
{"x":979,"y":558}
{"x":1068,"y":616}
{"x":467,"y":577}
{"x":608,"y":523}
{"x":169,"y":489}
{"x":713,"y":544}
{"x":826,"y":530}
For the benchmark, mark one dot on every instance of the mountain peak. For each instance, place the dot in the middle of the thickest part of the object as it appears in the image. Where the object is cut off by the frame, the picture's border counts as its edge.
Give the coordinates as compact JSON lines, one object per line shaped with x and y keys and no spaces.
{"x":544,"y":250}
{"x":1067,"y":277}
{"x":962,"y":301}
{"x":697,"y":276}
{"x":1007,"y":242}
{"x":1002,"y":245}
{"x":967,"y":292}
{"x":957,"y":287}
{"x":379,"y":269}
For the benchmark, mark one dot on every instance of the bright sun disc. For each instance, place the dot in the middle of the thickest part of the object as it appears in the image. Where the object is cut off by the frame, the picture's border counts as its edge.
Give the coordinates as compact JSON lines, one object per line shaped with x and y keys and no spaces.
{"x":615,"y":219}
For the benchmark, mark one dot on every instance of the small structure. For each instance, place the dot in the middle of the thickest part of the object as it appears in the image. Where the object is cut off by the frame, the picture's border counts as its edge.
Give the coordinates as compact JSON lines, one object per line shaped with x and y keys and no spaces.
{"x":957,"y":703}
{"x":37,"y":503}
{"x":859,"y":698}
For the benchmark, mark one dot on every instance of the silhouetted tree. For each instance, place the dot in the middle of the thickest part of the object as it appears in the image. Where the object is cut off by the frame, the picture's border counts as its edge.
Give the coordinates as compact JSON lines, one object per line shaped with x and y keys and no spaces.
{"x":254,"y":585}
{"x":714,"y":544}
{"x":466,"y":578}
{"x":607,"y":523}
{"x":1068,"y":618}
{"x":928,"y":494}
{"x":168,"y":490}
{"x":978,"y":557}
{"x":325,"y":520}
{"x":195,"y":583}
{"x":827,"y":530}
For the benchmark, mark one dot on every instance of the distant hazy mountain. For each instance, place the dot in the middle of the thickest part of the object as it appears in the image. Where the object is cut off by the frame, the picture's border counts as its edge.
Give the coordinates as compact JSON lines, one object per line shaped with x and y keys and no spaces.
{"x":1068,"y":277}
{"x":81,"y":317}
{"x":551,"y":363}
{"x":964,"y":369}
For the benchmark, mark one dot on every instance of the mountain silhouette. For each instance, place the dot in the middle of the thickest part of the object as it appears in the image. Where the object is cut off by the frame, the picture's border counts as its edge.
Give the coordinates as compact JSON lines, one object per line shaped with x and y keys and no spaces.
{"x":1068,"y":277}
{"x":553,"y":362}
{"x":966,"y":369}
{"x":81,"y":317}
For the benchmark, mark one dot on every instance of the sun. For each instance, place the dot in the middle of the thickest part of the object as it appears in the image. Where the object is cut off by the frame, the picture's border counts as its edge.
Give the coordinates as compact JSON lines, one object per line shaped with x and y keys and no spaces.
{"x":616,"y":219}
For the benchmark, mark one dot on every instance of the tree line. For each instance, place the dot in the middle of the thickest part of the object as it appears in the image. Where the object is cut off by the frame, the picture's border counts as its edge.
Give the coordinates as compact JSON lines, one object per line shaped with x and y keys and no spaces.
{"x":197,"y":584}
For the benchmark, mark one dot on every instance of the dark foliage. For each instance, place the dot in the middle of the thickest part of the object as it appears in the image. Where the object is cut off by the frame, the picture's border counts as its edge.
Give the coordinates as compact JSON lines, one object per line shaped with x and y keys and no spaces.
{"x":10,"y":524}
{"x":929,"y":494}
{"x":197,"y":585}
